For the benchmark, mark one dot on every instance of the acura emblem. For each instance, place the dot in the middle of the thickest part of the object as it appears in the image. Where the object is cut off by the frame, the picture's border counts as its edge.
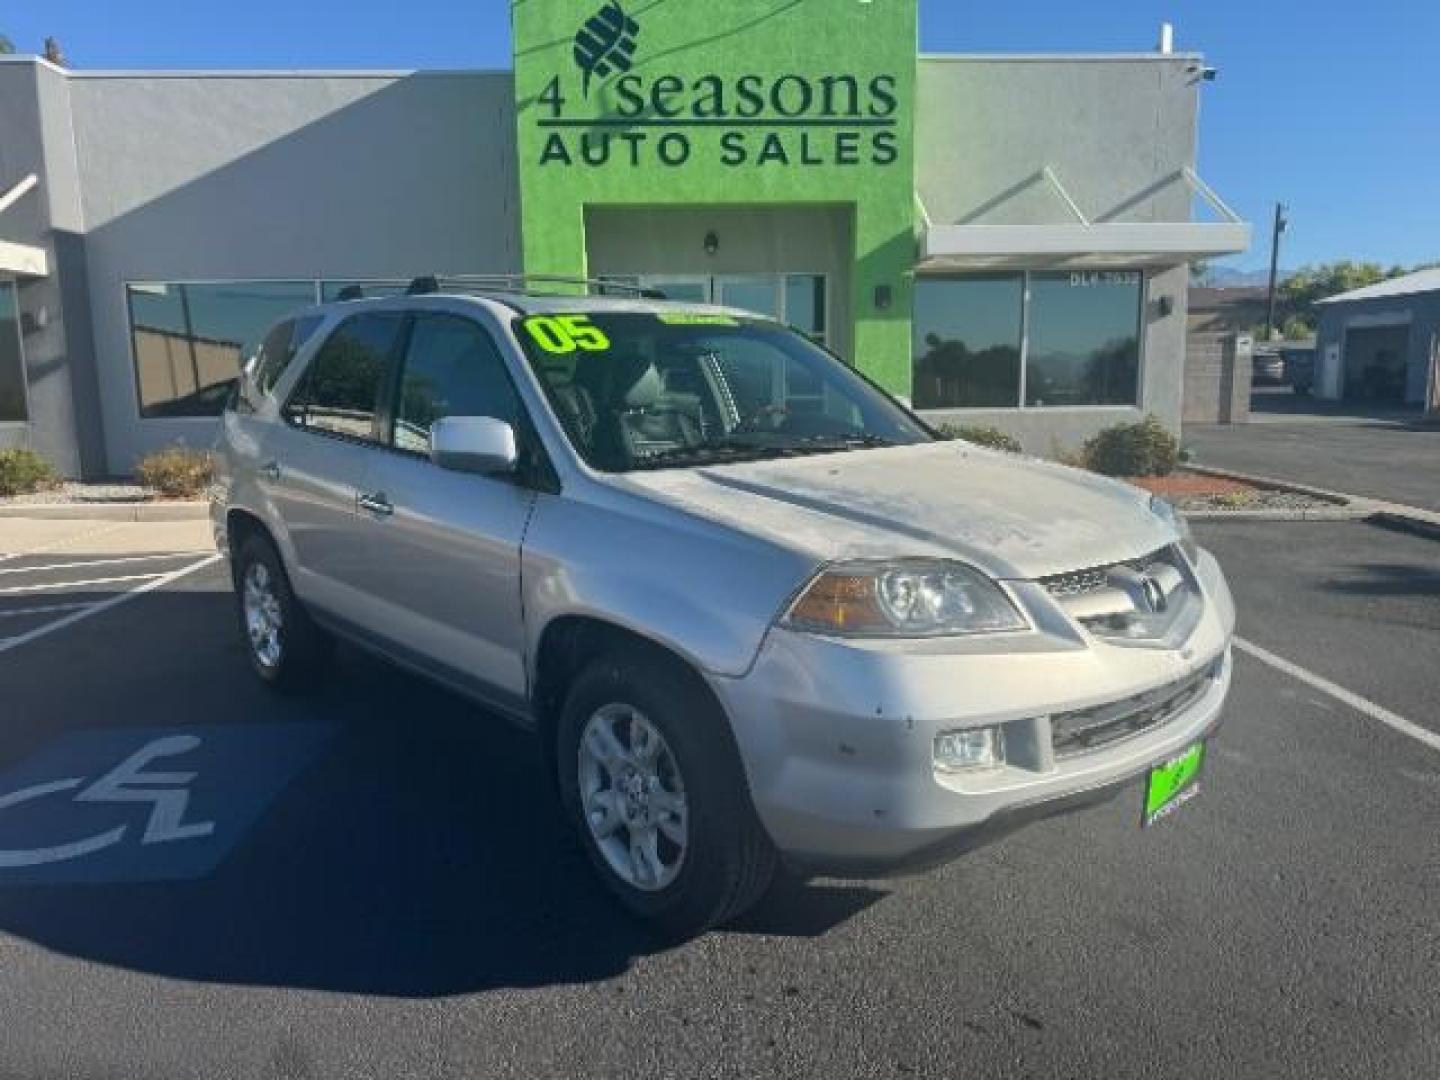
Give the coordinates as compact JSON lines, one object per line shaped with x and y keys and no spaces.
{"x":1155,"y":599}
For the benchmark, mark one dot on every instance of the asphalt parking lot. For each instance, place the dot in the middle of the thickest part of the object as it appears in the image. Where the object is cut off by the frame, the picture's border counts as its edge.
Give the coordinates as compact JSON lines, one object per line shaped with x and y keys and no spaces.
{"x":369,"y":881}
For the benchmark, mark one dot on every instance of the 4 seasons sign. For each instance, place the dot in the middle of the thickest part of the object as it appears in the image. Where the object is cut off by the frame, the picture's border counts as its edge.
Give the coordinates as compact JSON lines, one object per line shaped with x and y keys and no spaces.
{"x":618,"y":116}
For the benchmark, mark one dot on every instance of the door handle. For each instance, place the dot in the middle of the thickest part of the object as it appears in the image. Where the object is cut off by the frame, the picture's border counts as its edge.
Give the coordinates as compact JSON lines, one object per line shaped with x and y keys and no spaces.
{"x":270,"y":470}
{"x":376,"y":503}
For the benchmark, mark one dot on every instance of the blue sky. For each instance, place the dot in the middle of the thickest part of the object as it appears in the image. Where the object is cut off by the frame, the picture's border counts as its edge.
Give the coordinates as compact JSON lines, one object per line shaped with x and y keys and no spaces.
{"x":1333,"y":108}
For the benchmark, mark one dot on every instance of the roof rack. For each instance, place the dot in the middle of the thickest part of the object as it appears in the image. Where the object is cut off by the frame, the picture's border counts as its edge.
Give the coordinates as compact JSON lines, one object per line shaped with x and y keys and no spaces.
{"x":433,"y":283}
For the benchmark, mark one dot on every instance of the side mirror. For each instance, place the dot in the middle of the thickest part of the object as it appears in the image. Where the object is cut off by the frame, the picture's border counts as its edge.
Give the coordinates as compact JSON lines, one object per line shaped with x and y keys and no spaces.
{"x":473,"y":444}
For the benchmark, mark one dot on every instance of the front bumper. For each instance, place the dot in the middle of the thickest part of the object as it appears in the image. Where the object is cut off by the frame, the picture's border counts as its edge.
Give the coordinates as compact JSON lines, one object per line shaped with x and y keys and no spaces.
{"x":837,"y":737}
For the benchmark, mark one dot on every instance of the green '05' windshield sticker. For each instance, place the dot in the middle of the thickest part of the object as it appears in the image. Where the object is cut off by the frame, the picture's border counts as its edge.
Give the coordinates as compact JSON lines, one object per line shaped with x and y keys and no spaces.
{"x":696,"y":319}
{"x":562,"y":334}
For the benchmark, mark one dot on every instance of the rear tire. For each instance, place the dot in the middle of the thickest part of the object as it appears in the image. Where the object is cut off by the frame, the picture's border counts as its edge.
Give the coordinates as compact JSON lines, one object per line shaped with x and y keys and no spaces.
{"x":286,"y":649}
{"x":660,"y":803}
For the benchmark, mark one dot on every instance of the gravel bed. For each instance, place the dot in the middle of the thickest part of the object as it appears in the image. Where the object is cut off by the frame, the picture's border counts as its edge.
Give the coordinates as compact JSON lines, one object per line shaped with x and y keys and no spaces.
{"x":1253,"y":499}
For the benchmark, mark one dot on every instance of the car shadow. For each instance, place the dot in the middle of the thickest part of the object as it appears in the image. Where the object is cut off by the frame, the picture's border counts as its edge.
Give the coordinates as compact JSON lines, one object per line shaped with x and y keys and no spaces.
{"x":420,"y":855}
{"x":1388,"y":579}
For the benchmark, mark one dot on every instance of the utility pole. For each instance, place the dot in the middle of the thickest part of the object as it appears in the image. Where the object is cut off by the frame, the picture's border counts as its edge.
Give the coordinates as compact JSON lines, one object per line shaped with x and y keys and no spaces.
{"x":1279,"y":228}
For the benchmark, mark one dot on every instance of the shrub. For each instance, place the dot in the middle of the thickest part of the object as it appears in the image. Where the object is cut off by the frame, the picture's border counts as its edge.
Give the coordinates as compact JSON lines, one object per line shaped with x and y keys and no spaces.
{"x":24,"y":471}
{"x":992,"y":437}
{"x":1143,"y":449}
{"x":176,"y":472}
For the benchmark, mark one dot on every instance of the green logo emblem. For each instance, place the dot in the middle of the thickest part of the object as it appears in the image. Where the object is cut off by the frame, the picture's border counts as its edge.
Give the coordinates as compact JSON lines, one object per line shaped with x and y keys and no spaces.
{"x":605,"y":44}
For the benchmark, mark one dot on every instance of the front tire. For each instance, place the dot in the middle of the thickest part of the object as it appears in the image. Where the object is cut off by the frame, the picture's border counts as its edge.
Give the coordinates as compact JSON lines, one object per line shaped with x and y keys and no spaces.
{"x":286,"y":649}
{"x":651,"y":780}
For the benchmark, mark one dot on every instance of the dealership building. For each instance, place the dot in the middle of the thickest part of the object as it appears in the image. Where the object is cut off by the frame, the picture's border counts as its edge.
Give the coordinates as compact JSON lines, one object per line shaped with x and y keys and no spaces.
{"x":1002,"y":240}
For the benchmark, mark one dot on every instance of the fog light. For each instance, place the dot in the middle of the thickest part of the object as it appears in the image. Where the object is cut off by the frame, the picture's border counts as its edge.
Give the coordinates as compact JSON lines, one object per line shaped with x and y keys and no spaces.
{"x":974,"y":748}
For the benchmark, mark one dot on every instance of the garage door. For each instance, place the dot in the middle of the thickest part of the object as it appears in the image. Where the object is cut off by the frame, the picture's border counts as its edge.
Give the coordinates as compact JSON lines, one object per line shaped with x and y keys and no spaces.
{"x":1376,"y":358}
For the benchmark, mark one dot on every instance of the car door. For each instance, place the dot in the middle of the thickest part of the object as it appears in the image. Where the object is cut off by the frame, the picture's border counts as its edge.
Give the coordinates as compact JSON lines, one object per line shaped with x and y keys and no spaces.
{"x":315,"y":461}
{"x":446,"y":545}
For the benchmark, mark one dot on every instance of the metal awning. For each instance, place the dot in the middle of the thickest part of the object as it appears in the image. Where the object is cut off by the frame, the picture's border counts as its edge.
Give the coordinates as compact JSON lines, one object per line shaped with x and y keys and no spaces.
{"x":1081,"y":241}
{"x":21,"y":260}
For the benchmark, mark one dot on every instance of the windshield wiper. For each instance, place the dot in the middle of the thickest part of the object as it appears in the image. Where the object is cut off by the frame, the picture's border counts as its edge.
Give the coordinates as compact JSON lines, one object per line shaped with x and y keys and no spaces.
{"x":735,"y":450}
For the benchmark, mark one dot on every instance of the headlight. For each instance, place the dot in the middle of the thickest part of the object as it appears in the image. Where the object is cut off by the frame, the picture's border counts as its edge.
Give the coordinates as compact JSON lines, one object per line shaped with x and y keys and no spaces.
{"x":1165,"y":510}
{"x":911,"y":598}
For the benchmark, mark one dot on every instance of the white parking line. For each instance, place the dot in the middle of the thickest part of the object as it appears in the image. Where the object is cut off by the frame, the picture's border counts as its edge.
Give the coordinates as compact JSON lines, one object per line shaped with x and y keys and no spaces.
{"x":15,"y":590}
{"x":105,"y":605}
{"x":1339,"y":693}
{"x":97,"y":562}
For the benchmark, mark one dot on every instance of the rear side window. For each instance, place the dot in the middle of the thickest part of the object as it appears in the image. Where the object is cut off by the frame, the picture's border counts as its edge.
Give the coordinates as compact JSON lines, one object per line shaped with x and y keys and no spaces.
{"x":451,"y":368}
{"x":340,"y":392}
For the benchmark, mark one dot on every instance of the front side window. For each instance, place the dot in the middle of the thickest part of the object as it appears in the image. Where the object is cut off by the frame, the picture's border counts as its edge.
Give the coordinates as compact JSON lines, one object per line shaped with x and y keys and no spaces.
{"x":1070,"y":338}
{"x":340,"y":391}
{"x":451,"y":368}
{"x":12,"y":366}
{"x":677,"y":389}
{"x":188,"y":339}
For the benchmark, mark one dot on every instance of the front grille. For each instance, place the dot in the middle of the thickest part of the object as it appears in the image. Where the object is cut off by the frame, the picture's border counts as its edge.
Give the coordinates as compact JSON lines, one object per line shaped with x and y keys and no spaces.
{"x":1077,"y":583}
{"x":1084,"y":730}
{"x":1093,"y":578}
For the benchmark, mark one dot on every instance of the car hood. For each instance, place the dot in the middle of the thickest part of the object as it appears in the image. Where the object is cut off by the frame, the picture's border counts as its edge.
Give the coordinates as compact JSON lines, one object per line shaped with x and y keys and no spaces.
{"x":1011,"y":516}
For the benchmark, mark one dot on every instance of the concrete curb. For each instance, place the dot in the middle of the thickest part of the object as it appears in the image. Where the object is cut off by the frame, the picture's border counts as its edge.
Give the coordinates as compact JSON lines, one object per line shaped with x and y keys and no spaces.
{"x":1398,"y":516}
{"x":177,"y":510}
{"x":1269,"y":483}
{"x":1337,"y":514}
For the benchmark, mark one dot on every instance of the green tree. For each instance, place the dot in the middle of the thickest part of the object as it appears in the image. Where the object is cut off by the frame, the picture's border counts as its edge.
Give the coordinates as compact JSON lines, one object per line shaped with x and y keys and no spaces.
{"x":6,"y":45}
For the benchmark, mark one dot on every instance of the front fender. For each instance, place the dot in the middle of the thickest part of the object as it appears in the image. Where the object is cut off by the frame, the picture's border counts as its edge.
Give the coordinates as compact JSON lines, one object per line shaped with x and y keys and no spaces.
{"x":698,"y":588}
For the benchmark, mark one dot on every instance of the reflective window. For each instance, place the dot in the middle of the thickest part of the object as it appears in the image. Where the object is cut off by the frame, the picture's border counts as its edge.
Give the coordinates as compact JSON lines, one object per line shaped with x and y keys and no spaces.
{"x":1075,"y":334}
{"x":452,"y":368}
{"x":12,"y":367}
{"x":1084,"y":339}
{"x":341,"y":390}
{"x":188,"y":339}
{"x":805,"y":304}
{"x":967,"y":342}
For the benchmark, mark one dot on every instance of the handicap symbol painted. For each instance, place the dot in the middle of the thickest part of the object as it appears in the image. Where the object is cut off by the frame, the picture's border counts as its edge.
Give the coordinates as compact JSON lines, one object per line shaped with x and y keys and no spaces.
{"x":138,"y":804}
{"x":125,"y":783}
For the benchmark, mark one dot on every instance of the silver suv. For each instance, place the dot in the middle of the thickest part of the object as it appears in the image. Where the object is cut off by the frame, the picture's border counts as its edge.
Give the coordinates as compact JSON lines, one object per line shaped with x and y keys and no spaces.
{"x":755,"y":610}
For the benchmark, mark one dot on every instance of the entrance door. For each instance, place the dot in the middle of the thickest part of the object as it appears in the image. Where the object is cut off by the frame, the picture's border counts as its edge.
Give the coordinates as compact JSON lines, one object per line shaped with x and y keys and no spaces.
{"x":798,"y":300}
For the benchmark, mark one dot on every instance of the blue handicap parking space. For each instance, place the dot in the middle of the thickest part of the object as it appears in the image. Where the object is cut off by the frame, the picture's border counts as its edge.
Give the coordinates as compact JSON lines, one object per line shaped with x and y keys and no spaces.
{"x":144,"y":804}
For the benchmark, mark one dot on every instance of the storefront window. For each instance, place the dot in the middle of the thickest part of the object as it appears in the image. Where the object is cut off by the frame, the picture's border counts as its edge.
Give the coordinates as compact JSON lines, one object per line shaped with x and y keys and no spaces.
{"x":1076,"y":335}
{"x":12,"y":367}
{"x":1084,"y":339}
{"x":188,"y":339}
{"x":967,"y":342}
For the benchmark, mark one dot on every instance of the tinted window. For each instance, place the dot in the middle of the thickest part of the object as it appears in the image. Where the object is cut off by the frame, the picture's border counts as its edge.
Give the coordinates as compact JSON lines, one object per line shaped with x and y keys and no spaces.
{"x":1084,"y":340}
{"x":188,"y":339}
{"x":341,"y":389}
{"x":967,"y":342}
{"x":452,"y":368}
{"x":12,"y":369}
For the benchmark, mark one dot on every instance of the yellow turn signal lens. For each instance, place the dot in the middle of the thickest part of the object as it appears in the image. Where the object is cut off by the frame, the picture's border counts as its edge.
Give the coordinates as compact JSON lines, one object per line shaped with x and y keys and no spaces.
{"x":839,"y":603}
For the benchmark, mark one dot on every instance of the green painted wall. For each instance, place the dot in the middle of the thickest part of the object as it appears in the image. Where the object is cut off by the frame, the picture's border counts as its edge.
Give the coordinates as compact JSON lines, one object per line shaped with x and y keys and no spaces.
{"x":740,"y":103}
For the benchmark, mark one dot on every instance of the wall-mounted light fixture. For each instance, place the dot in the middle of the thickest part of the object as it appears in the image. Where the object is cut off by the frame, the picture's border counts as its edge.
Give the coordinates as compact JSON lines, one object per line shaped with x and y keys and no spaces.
{"x":712,"y":243}
{"x":1164,"y":305}
{"x":883,"y":297}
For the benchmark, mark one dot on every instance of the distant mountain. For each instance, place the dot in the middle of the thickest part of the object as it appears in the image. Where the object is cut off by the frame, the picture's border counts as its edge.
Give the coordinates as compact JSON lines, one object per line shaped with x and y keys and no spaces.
{"x":1230,"y":277}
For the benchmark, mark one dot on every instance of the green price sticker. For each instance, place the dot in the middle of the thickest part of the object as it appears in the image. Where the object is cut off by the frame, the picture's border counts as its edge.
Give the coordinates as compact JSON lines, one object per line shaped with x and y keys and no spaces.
{"x":562,"y":334}
{"x":696,"y":319}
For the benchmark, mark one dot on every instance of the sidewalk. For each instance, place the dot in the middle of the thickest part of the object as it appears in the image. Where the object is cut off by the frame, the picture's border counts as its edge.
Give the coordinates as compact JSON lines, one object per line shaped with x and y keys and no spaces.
{"x":20,"y":536}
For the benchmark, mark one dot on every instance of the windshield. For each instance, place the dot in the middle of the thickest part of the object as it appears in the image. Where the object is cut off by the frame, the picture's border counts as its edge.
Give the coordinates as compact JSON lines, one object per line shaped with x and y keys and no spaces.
{"x":673,"y":389}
